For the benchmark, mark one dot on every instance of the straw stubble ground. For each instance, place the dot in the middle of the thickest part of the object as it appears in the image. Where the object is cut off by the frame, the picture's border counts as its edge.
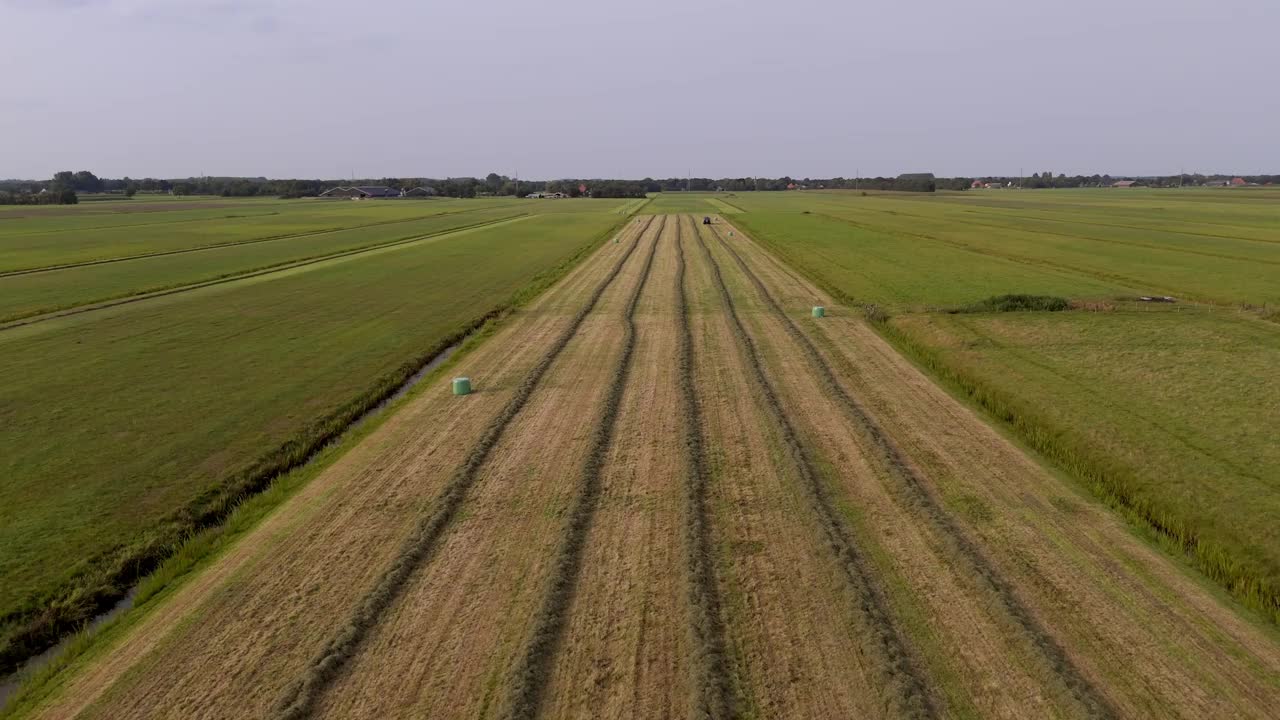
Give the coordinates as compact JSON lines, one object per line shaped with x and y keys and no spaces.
{"x":280,"y":592}
{"x":625,"y":649}
{"x":459,"y":626}
{"x":1151,"y":638}
{"x":931,"y":551}
{"x":793,"y":650}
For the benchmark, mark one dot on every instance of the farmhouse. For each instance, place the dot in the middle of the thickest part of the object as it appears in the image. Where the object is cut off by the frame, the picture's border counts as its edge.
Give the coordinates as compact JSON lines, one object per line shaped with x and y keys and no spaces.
{"x":1124,"y":183}
{"x":362,"y":192}
{"x":420,"y":191}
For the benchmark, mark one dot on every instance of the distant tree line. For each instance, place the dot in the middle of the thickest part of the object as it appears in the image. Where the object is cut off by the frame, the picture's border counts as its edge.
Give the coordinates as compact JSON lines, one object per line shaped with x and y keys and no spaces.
{"x":66,"y":187}
{"x":1048,"y":179}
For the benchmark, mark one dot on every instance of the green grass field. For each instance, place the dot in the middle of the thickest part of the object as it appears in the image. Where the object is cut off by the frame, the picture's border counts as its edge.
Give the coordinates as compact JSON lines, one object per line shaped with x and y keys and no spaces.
{"x":681,"y":202}
{"x":61,"y":236}
{"x":1166,"y":410}
{"x":122,"y":429}
{"x":34,"y":293}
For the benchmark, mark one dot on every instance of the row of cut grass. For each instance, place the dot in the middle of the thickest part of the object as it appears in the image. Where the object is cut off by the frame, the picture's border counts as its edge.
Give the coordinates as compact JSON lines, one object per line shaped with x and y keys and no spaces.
{"x":299,"y":700}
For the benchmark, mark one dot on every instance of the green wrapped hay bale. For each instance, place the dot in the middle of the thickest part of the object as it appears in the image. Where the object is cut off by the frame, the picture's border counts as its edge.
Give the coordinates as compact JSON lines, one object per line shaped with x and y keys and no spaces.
{"x":819,"y":311}
{"x":462,"y":386}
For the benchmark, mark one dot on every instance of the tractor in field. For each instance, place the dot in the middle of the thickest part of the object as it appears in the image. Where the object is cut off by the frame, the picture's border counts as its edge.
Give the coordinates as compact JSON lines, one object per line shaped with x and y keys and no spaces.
{"x":706,"y":219}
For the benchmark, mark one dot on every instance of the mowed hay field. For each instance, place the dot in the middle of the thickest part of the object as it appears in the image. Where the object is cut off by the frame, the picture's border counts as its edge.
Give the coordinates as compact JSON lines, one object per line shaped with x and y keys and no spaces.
{"x":1167,"y":411}
{"x":127,"y":424}
{"x":676,"y":494}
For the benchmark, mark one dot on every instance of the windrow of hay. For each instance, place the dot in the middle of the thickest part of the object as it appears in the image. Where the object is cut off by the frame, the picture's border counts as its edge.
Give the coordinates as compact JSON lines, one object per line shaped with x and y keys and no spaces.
{"x":711,"y":682}
{"x":299,"y":701}
{"x":920,"y":501}
{"x":883,"y":642}
{"x":530,"y":675}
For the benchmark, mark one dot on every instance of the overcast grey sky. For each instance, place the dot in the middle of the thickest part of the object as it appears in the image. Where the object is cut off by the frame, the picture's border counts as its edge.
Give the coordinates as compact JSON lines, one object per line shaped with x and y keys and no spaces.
{"x":579,"y":88}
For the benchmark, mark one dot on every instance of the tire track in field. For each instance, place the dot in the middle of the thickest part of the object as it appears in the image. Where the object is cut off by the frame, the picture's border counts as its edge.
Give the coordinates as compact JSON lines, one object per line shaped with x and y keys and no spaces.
{"x":299,"y":701}
{"x":711,"y":682}
{"x":884,"y":643}
{"x":923,"y":504}
{"x":23,"y":321}
{"x":531,"y":671}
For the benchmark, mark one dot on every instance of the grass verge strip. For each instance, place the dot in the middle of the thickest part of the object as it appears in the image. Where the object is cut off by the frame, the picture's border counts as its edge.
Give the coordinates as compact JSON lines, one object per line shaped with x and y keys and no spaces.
{"x":899,"y":677}
{"x":711,"y":682}
{"x":530,"y":674}
{"x":921,"y":502}
{"x":300,"y":699}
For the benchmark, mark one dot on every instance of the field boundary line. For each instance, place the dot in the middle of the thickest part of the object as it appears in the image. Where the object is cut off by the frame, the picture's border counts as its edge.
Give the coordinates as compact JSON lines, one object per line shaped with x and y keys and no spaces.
{"x":33,"y":634}
{"x":530,"y":673}
{"x":881,"y":638}
{"x":921,"y":502}
{"x":713,"y":688}
{"x":299,"y":701}
{"x":234,"y":243}
{"x":23,"y":321}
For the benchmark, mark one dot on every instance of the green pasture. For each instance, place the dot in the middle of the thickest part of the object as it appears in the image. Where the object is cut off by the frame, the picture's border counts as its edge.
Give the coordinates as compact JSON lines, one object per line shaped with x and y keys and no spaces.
{"x":37,"y":241}
{"x":120,"y":428}
{"x":681,"y":202}
{"x":29,"y":294}
{"x":1168,"y":411}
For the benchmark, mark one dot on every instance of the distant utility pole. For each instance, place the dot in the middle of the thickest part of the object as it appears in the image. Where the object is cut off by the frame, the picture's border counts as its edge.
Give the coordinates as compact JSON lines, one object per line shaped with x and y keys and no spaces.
{"x":857,"y":173}
{"x":1019,"y":178}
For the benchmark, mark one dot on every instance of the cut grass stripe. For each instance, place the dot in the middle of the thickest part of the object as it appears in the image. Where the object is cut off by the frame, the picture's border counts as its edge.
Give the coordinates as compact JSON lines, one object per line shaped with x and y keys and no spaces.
{"x":886,"y":648}
{"x":299,"y":701}
{"x":530,"y":675}
{"x":711,"y":684}
{"x":921,"y":502}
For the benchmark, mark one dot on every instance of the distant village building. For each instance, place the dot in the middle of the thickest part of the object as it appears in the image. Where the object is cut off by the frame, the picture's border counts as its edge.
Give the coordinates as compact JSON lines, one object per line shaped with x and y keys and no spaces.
{"x":1124,"y":183}
{"x":420,"y":191}
{"x":978,"y":184}
{"x":546,"y":195}
{"x":362,"y":192}
{"x":1238,"y":181}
